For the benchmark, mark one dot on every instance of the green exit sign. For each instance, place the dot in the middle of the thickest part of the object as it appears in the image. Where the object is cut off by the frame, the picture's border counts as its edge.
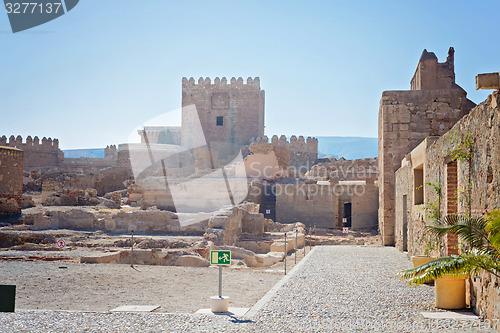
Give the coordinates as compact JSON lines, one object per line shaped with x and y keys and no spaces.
{"x":220,"y":257}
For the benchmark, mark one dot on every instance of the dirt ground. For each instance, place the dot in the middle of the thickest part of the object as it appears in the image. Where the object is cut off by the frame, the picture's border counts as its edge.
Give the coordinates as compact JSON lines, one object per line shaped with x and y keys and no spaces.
{"x":102,"y":287}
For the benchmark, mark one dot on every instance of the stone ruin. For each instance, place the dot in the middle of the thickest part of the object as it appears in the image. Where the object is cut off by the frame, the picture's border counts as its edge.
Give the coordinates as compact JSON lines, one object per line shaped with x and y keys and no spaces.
{"x":253,"y":240}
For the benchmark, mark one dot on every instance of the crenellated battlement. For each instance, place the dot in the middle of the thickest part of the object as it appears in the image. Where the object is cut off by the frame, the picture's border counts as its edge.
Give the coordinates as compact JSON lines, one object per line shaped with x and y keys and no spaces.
{"x":300,"y":144}
{"x":110,"y":152}
{"x":222,"y":83}
{"x":30,"y":143}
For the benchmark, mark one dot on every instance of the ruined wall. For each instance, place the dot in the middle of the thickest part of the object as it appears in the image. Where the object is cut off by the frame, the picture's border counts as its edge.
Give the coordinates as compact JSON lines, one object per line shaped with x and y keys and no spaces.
{"x":240,"y":106}
{"x":105,"y":181}
{"x":430,"y":74}
{"x":11,"y":180}
{"x":36,"y":154}
{"x":405,"y":119}
{"x":482,"y":124}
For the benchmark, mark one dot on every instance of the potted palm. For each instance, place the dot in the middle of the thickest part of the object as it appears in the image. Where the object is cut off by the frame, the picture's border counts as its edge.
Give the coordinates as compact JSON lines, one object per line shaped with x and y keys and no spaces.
{"x":481,"y":236}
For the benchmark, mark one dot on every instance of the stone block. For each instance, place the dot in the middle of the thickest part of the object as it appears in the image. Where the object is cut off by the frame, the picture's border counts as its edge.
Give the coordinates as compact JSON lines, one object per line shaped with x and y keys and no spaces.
{"x":269,"y":259}
{"x":488,"y":81}
{"x":191,"y":261}
{"x":105,"y":258}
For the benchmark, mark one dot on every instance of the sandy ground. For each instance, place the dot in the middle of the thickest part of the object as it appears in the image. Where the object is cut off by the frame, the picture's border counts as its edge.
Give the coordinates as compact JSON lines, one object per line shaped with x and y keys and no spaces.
{"x":102,"y":287}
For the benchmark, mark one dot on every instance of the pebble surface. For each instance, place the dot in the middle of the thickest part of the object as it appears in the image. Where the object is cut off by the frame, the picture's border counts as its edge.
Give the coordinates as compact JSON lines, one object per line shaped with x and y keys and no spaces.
{"x":337,"y":289}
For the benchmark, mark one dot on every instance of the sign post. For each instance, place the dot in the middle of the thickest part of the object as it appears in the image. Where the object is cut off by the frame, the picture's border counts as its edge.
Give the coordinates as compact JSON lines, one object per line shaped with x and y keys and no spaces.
{"x":220,"y":258}
{"x":132,"y":250}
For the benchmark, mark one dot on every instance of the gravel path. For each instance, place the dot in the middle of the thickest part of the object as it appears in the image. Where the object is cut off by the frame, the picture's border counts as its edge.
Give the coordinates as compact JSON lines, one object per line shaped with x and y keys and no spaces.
{"x":337,"y":289}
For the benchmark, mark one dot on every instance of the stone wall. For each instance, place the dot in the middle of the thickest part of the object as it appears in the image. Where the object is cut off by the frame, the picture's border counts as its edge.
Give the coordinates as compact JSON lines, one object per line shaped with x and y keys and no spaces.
{"x":11,"y":180}
{"x":240,"y":107}
{"x":482,"y":125}
{"x":161,"y":134}
{"x":36,"y":154}
{"x":322,"y":204}
{"x":302,"y":153}
{"x":412,"y":217}
{"x":408,"y":117}
{"x":343,"y":169}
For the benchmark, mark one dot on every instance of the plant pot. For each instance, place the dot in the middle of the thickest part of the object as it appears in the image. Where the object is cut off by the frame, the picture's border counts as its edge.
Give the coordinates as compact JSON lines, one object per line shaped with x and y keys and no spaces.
{"x":421,"y":259}
{"x":449,"y":292}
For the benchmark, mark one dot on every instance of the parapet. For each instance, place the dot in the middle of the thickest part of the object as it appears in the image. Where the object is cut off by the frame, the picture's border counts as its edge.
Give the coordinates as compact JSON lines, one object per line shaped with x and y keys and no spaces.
{"x":110,"y":152}
{"x":222,"y":83}
{"x":31,"y":143}
{"x":300,"y":144}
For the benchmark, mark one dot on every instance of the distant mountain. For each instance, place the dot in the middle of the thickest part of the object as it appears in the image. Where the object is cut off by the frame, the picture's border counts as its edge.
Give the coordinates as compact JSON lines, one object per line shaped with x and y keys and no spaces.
{"x":328,"y":146}
{"x":348,"y":147}
{"x":90,"y":153}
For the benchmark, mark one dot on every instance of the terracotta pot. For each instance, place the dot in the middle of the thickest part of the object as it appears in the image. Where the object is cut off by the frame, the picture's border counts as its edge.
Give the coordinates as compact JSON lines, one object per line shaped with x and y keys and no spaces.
{"x":420,"y":260}
{"x":449,"y":292}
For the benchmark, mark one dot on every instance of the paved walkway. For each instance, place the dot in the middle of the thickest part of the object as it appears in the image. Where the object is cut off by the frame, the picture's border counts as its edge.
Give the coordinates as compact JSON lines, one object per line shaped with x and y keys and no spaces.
{"x":336,"y":289}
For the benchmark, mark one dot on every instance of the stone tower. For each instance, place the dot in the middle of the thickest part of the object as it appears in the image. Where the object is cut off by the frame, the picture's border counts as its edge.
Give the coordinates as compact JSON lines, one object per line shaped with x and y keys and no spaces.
{"x":431,"y":108}
{"x":231,"y":114}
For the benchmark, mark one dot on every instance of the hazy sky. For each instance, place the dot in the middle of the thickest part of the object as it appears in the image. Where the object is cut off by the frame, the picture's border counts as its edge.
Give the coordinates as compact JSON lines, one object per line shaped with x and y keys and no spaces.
{"x":91,"y":76}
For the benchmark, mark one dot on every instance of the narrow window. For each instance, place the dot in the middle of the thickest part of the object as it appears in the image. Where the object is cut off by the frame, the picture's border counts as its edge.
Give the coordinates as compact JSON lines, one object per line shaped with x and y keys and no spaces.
{"x":418,"y":182}
{"x":220,"y":121}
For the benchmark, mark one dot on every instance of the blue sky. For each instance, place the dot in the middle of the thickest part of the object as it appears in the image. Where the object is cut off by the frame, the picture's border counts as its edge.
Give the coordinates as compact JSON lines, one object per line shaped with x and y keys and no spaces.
{"x":96,"y":73}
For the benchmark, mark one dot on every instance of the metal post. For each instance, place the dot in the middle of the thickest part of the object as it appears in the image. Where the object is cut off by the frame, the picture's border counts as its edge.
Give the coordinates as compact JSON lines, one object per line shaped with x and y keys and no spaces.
{"x":220,"y":281}
{"x":132,"y":251}
{"x":310,"y":235}
{"x":305,"y":244}
{"x":284,"y":249}
{"x":296,"y":235}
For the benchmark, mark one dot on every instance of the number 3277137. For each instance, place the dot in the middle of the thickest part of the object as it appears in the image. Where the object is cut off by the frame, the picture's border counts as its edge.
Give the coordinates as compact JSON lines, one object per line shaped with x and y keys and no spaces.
{"x":33,"y":7}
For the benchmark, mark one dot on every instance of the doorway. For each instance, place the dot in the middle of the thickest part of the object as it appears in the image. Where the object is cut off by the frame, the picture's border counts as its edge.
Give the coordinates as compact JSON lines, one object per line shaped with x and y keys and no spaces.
{"x":347,"y":215}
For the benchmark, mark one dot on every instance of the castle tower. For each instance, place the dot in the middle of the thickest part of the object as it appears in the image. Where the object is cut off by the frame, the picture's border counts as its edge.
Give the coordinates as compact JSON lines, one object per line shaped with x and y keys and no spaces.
{"x":230,"y":114}
{"x":431,"y":108}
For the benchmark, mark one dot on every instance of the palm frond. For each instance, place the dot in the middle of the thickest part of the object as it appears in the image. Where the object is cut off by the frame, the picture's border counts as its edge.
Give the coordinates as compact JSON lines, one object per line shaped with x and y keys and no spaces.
{"x":471,"y":263}
{"x":472,"y":230}
{"x":493,"y":228}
